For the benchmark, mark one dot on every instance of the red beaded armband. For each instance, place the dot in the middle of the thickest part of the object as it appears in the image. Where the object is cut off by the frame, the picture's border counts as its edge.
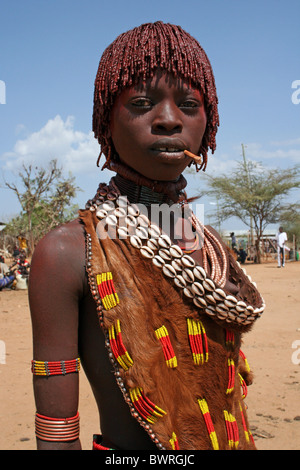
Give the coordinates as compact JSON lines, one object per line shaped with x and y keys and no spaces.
{"x":57,"y":429}
{"x":48,"y":368}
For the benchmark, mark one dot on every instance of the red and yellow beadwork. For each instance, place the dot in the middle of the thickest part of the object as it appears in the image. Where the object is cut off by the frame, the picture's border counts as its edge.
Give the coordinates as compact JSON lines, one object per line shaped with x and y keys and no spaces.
{"x":198,"y":341}
{"x":48,"y":368}
{"x":209,"y":424}
{"x":231,"y":376}
{"x":145,"y":407}
{"x":247,"y":432}
{"x":242,"y":355}
{"x":232,"y":430}
{"x":117,"y":346}
{"x":107,"y":290}
{"x":164,"y":338}
{"x":174,"y":442}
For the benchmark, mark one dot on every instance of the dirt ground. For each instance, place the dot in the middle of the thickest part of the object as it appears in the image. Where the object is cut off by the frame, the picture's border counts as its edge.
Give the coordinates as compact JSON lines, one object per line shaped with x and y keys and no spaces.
{"x":272,"y":349}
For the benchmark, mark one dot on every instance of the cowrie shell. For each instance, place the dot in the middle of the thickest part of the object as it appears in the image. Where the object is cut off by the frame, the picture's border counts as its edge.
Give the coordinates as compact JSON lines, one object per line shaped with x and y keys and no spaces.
{"x":239,"y":308}
{"x":222,"y":307}
{"x":112,"y":196}
{"x":111,"y":220}
{"x":199,"y":273}
{"x":200,"y":301}
{"x":133,"y":210}
{"x":122,"y":201}
{"x":228,"y":303}
{"x":103,"y":191}
{"x":164,"y":241}
{"x":142,"y":232}
{"x":135,"y":241}
{"x":232,"y":299}
{"x":143,"y":220}
{"x":120,"y":212}
{"x":101,"y":213}
{"x":99,"y":200}
{"x":231,"y":316}
{"x":210,"y":312}
{"x":221,"y":313}
{"x":198,"y":288}
{"x":123,"y":232}
{"x":219,"y":294}
{"x":147,"y":252}
{"x":130,"y":220}
{"x":188,"y":261}
{"x":210,"y":298}
{"x":179,"y":281}
{"x":154,"y":231}
{"x":209,"y":285}
{"x":241,"y":304}
{"x":165,"y":254}
{"x":188,"y":275}
{"x":152,"y":243}
{"x":158,"y":261}
{"x":176,"y":265}
{"x":188,"y":292}
{"x":108,"y":206}
{"x":243,"y":316}
{"x":168,"y":270}
{"x":176,"y":251}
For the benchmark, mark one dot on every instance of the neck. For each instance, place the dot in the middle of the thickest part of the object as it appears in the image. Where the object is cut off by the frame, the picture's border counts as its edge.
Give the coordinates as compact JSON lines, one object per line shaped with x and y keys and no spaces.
{"x":137,"y":193}
{"x":140,"y":189}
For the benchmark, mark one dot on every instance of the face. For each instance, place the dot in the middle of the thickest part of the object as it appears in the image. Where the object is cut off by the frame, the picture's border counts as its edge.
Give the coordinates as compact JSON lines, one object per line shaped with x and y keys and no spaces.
{"x":154,"y":122}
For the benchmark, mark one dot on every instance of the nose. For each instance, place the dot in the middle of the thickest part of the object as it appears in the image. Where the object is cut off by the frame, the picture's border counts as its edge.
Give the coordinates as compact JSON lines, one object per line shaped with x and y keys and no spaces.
{"x":167,"y":118}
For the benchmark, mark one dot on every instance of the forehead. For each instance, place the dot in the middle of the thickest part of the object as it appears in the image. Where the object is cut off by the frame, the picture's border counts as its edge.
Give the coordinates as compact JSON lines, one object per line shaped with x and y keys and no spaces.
{"x":161,"y":81}
{"x":164,"y":79}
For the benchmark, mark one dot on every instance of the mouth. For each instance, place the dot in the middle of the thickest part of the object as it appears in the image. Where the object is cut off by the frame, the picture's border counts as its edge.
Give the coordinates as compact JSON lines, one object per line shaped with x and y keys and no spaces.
{"x":169,"y":148}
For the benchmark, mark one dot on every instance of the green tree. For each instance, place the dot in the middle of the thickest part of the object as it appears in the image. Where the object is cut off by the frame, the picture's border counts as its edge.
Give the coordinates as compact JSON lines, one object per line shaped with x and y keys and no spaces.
{"x":290,"y":221}
{"x":45,"y":196}
{"x":254,"y":194}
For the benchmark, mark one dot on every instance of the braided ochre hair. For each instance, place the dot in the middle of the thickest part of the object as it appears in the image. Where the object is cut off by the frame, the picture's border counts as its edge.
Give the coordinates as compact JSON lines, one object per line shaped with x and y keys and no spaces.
{"x":135,"y":55}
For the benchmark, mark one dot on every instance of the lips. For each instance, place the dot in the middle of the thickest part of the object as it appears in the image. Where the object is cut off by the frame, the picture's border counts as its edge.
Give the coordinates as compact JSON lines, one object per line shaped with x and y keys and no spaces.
{"x":169,"y":145}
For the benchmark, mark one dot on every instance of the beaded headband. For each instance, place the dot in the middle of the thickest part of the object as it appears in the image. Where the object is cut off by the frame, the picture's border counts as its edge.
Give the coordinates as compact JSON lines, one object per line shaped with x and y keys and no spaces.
{"x":135,"y":55}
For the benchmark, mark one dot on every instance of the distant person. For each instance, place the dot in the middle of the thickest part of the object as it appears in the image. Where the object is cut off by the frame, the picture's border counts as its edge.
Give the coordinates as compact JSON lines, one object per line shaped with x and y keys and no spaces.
{"x":281,"y":239}
{"x":16,"y":252}
{"x":233,"y":241}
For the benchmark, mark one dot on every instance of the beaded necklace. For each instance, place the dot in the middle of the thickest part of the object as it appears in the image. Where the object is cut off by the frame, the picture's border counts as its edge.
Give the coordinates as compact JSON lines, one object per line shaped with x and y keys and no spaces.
{"x":206,"y":292}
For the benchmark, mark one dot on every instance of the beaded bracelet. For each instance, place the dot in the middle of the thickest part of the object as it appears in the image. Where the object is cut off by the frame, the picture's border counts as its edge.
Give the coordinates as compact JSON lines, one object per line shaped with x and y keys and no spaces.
{"x":57,"y":429}
{"x":48,"y":368}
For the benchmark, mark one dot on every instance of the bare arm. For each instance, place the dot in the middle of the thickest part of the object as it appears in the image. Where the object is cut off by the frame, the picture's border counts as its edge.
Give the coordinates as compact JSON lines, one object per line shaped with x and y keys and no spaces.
{"x":55,"y":288}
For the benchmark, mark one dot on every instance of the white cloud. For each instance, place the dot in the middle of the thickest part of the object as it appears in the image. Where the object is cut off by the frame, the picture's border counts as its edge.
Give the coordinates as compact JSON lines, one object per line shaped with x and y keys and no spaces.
{"x":76,"y":151}
{"x":277,"y":151}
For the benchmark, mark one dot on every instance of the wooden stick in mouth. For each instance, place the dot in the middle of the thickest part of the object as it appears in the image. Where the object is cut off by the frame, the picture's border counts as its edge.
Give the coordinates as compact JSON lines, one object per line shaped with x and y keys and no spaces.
{"x":197,"y":158}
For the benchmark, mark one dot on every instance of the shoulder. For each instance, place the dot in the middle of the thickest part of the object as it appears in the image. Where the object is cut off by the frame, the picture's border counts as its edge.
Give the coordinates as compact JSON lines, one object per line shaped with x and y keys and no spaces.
{"x":62,"y":240}
{"x":62,"y":250}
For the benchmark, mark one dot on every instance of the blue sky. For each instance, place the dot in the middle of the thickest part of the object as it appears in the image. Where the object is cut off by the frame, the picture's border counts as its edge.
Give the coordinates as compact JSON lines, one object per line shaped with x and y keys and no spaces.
{"x":49,"y":54}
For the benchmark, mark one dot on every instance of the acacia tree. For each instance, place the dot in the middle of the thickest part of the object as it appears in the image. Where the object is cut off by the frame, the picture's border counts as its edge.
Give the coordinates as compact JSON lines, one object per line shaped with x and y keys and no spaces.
{"x":45,"y":197}
{"x":290,"y":220}
{"x":254,"y":194}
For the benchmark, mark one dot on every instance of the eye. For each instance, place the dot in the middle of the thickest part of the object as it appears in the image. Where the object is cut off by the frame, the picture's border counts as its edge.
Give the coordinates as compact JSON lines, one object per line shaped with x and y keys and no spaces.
{"x":141,"y":102}
{"x":190,"y":103}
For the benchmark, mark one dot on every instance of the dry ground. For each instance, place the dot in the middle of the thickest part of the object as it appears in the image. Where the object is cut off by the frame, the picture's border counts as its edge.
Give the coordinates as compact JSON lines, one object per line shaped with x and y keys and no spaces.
{"x":273,"y":399}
